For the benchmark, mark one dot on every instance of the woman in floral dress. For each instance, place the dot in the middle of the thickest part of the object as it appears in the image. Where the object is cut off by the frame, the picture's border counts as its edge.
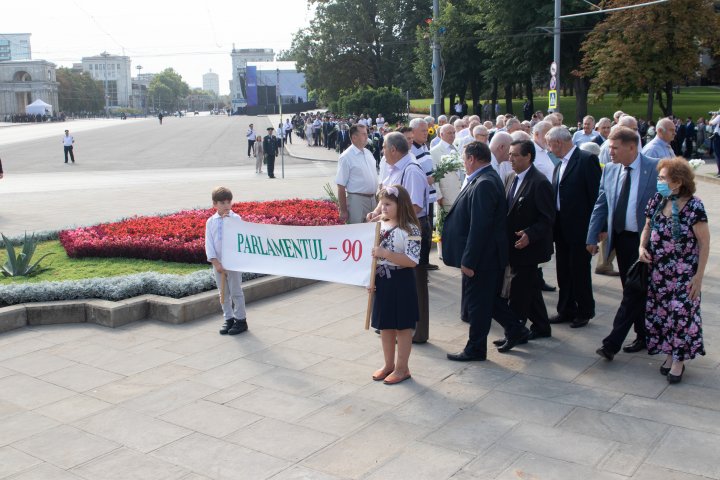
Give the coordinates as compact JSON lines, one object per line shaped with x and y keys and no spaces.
{"x":675,"y":242}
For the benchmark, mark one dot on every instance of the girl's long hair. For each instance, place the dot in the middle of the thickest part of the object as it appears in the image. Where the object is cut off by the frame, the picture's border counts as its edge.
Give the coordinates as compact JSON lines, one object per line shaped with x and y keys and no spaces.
{"x":406,"y":216}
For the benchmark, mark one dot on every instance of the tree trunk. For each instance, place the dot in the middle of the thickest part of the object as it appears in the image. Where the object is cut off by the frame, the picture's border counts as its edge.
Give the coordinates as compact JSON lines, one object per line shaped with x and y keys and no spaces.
{"x":442,"y":105}
{"x":650,"y":104}
{"x":475,"y":93}
{"x":529,"y":92}
{"x":452,"y":104}
{"x":508,"y":97}
{"x":494,"y":97}
{"x":661,"y":103}
{"x":582,"y":85}
{"x":669,"y":94}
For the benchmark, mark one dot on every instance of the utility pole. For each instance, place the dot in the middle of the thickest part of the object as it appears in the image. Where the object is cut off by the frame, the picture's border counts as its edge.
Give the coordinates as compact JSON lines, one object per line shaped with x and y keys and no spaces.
{"x":556,"y":53}
{"x":139,"y":69}
{"x":436,"y":107}
{"x":281,"y":132}
{"x":105,"y":55}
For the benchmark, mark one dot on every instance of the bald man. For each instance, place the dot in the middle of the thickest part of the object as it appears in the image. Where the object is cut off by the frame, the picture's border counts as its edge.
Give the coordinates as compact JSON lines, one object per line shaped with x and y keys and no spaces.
{"x":659,"y":147}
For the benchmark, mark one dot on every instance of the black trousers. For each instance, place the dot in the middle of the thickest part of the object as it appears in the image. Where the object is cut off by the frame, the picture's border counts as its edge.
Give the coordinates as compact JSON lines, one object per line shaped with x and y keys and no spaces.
{"x":575,"y":298}
{"x":422,"y":332}
{"x":632,"y":306}
{"x":526,"y":298}
{"x":70,"y":151}
{"x":288,"y":136}
{"x":251,"y":147}
{"x":483,"y":303}
{"x":270,"y":165}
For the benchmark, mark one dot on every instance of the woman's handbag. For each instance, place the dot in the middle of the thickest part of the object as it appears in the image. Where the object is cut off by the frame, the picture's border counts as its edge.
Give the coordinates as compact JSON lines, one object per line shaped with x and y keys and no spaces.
{"x":637,"y":277}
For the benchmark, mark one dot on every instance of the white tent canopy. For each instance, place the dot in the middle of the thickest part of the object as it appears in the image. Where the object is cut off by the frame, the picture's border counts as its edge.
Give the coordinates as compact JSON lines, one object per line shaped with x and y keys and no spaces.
{"x":38,"y":107}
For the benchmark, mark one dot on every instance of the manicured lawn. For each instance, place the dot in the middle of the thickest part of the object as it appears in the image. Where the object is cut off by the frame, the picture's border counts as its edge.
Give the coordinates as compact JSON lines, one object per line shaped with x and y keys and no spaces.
{"x":691,"y":101}
{"x":62,"y":267}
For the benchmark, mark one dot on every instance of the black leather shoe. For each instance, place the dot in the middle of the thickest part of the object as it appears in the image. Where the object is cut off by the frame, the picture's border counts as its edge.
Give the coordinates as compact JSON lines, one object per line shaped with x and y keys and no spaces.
{"x":464,"y":357}
{"x":499,"y":341}
{"x":512,"y":342}
{"x":605,"y":353}
{"x":558,"y":319}
{"x":228,"y":325}
{"x":665,"y":370}
{"x":675,"y":378}
{"x":635,"y":346}
{"x":579,"y":322}
{"x":548,"y":288}
{"x":431,"y":266}
{"x":464,"y":319}
{"x":535,"y":335}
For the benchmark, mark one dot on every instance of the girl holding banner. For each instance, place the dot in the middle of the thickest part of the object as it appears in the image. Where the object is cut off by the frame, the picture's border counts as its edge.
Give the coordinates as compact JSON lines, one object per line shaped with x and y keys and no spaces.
{"x":395,"y":307}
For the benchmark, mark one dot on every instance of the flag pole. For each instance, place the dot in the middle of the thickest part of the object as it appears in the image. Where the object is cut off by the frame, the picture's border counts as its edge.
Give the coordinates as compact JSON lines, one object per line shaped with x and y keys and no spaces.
{"x":371,"y":293}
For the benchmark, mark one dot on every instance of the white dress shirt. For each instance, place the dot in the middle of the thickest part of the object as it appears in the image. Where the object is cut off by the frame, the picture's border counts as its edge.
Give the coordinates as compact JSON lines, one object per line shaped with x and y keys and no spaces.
{"x":543,"y":162}
{"x":631,"y":214}
{"x":356,"y":171}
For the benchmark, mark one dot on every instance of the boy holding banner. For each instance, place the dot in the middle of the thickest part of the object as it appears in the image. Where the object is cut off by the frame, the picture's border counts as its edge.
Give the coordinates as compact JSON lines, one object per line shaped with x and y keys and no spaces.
{"x":229,"y":282}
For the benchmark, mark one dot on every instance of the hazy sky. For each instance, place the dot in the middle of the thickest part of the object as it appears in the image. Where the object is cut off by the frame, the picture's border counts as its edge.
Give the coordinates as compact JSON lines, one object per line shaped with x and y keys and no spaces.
{"x":190,"y":36}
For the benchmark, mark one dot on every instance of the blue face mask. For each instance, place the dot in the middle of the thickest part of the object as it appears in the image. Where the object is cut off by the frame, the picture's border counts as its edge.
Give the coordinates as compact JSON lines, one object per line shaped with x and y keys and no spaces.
{"x":664,"y":189}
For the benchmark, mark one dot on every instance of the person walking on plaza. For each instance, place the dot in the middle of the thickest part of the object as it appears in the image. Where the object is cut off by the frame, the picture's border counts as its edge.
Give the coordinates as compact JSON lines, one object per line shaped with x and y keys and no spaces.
{"x":309,"y":132}
{"x":395,"y":305}
{"x":402,"y":169}
{"x":250,"y":135}
{"x":1,"y":170}
{"x":232,"y":299}
{"x":715,"y":138}
{"x":288,"y":130}
{"x":259,"y":154}
{"x":270,"y":149}
{"x":576,"y":182}
{"x":160,"y":117}
{"x":356,"y":178}
{"x":530,"y":219}
{"x":477,"y":243}
{"x":68,"y":142}
{"x":675,"y":242}
{"x":626,"y":186}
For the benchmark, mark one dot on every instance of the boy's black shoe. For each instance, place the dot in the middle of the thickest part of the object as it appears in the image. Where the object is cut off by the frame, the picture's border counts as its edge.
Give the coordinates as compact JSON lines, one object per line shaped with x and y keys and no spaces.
{"x":239,"y":327}
{"x":228,"y":325}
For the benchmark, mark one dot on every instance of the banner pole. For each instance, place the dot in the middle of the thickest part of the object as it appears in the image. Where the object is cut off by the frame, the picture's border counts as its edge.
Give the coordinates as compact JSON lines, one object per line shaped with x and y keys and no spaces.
{"x":371,"y":293}
{"x":222,"y":287}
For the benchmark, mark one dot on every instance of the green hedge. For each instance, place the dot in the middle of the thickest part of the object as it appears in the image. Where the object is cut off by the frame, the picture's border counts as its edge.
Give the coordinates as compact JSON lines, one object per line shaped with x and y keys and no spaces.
{"x":386,"y":100}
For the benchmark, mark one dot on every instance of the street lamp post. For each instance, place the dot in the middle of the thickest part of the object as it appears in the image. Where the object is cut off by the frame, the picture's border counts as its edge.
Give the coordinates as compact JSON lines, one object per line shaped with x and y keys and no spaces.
{"x":105,"y":55}
{"x":139,"y":68}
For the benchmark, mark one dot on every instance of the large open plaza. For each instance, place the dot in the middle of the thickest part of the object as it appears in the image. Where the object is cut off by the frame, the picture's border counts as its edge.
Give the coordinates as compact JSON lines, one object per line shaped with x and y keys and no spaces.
{"x":293,"y":397}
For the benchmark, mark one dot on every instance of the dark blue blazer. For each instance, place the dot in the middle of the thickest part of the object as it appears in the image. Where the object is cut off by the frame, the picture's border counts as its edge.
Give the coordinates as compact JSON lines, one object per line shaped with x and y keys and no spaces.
{"x":474,"y":233}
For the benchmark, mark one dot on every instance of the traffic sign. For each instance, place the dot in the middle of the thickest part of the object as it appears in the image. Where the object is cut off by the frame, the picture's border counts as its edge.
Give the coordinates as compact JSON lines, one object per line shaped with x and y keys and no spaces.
{"x":553,"y":82}
{"x":553,"y":68}
{"x":552,"y":99}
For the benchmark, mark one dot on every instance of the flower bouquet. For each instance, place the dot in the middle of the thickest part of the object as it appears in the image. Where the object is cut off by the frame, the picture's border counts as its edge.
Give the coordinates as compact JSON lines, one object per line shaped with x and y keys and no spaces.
{"x":448,"y":163}
{"x":696,"y":163}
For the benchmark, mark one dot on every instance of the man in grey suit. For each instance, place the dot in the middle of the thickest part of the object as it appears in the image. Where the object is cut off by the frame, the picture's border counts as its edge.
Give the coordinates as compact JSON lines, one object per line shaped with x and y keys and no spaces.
{"x":626,"y":186}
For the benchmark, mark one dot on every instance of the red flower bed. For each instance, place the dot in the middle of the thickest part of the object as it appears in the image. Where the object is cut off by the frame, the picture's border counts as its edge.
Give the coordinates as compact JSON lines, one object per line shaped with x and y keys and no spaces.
{"x":180,"y":237}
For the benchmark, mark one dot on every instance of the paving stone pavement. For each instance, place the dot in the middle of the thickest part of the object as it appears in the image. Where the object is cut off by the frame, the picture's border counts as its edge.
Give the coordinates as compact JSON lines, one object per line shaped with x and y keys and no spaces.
{"x":293,"y":399}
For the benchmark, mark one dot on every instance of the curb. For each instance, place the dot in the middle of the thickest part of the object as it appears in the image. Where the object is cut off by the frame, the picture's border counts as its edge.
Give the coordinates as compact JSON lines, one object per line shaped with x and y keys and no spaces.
{"x":145,"y":307}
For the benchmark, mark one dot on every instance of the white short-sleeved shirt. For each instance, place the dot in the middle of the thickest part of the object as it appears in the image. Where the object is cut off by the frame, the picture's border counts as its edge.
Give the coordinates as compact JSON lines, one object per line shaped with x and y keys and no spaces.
{"x":399,"y":241}
{"x":68,"y":140}
{"x":356,"y":171}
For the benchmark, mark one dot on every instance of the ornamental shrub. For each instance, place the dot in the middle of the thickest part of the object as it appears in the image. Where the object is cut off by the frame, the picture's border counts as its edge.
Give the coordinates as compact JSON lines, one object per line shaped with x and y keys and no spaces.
{"x":389,"y":101}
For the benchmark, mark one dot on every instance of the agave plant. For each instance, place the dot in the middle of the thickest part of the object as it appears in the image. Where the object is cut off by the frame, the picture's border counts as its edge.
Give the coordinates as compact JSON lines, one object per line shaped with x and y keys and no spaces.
{"x":20,"y":265}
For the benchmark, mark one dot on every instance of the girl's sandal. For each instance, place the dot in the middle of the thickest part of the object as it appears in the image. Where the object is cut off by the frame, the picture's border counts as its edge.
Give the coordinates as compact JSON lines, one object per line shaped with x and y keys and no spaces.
{"x":381,"y":375}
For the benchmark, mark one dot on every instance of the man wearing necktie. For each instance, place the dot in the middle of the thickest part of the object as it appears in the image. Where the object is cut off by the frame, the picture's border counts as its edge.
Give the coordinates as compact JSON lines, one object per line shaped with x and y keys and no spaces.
{"x":626,"y":186}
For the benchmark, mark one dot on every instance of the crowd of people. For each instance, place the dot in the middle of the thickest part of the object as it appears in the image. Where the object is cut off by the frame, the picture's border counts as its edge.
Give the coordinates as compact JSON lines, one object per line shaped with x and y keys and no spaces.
{"x":529,"y":190}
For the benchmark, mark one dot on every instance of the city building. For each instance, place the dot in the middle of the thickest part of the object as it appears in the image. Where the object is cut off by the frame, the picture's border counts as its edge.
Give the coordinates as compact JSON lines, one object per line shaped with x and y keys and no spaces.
{"x":24,"y":81}
{"x":240,"y":58}
{"x":211,"y":82}
{"x":15,"y":46}
{"x":114,"y":72}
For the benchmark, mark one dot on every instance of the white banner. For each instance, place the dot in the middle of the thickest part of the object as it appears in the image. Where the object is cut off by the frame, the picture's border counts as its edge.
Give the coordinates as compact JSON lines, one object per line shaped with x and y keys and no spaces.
{"x":339,"y":253}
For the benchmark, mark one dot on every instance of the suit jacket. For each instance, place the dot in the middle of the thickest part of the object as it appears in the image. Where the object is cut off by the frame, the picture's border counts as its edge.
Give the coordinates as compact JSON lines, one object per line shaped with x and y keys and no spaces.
{"x":578,"y":190}
{"x":474,"y":233}
{"x":604,"y":210}
{"x":532,"y":211}
{"x":344,"y":140}
{"x":270,"y":146}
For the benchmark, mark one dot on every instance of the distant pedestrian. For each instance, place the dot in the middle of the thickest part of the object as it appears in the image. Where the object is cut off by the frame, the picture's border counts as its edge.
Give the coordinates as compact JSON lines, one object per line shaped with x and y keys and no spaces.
{"x":251,"y":135}
{"x":270,"y":147}
{"x":68,"y":142}
{"x":288,"y":131}
{"x":259,"y":154}
{"x":1,"y":170}
{"x":160,"y":117}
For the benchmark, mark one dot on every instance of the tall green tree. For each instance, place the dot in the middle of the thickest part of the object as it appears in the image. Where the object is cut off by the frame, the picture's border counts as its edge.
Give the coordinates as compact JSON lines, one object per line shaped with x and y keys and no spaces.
{"x":650,"y":49}
{"x":78,"y":92}
{"x":352,"y":44}
{"x":167,"y":89}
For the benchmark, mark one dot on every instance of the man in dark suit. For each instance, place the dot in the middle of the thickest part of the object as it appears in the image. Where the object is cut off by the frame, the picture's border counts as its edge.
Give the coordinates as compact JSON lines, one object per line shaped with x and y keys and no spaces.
{"x":575,"y":181}
{"x":627,"y":184}
{"x":270,"y":147}
{"x":476,"y":242}
{"x":344,"y":138}
{"x":530,"y":219}
{"x":690,"y":134}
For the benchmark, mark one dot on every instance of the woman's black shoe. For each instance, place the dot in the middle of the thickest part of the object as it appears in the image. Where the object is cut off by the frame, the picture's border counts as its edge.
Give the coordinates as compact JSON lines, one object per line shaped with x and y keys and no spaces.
{"x":665,"y":370}
{"x":675,"y":378}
